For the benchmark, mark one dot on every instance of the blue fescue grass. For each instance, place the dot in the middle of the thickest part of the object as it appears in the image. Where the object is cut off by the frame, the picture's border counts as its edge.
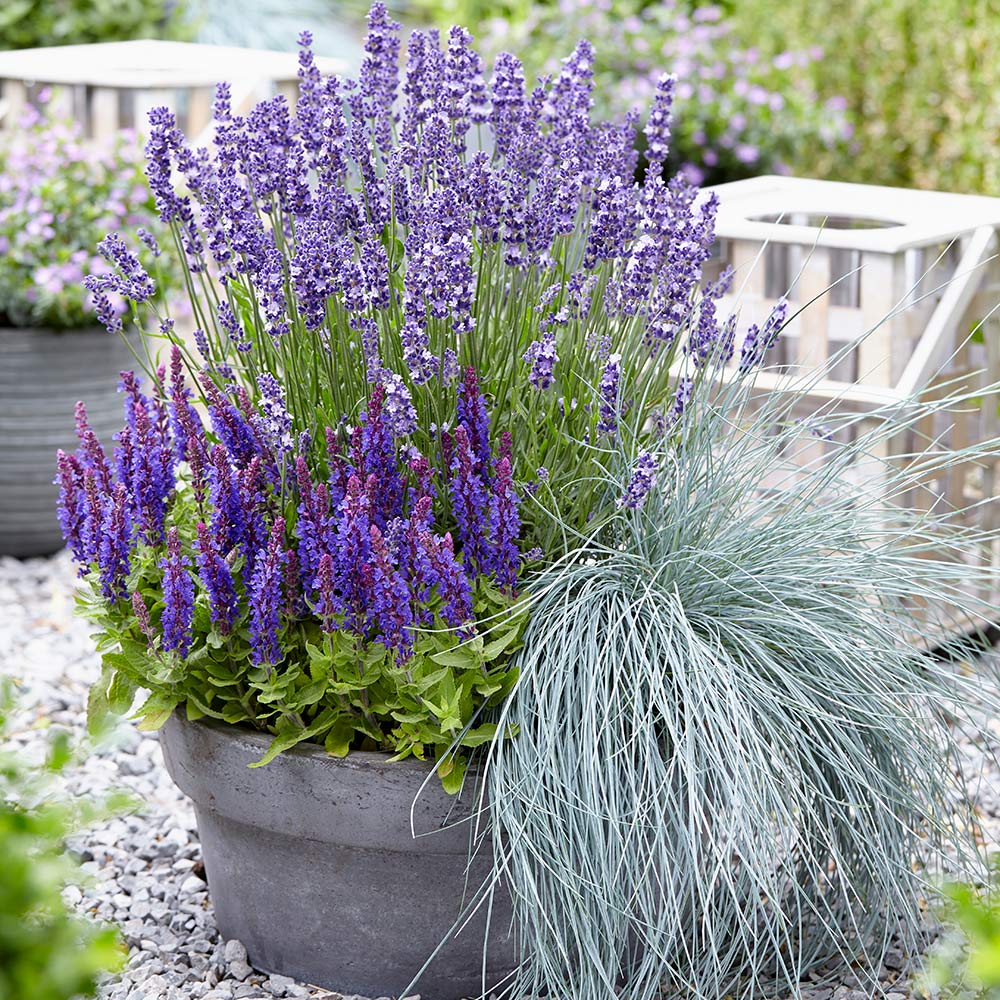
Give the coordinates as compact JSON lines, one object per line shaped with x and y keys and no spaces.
{"x":733,"y":765}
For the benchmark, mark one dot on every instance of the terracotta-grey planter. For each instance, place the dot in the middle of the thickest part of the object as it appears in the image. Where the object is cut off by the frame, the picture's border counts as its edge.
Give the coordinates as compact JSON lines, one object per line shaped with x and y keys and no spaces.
{"x":42,"y":375}
{"x":311,"y":864}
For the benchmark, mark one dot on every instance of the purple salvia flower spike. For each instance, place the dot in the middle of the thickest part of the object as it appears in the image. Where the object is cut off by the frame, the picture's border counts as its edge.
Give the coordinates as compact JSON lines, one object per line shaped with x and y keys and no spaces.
{"x":178,"y":598}
{"x":218,"y":581}
{"x":265,"y":599}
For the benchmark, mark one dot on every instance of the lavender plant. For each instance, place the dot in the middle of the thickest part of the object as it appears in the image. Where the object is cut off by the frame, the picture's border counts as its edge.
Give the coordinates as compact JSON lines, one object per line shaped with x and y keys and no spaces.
{"x":399,"y":230}
{"x":318,"y":602}
{"x":58,"y":197}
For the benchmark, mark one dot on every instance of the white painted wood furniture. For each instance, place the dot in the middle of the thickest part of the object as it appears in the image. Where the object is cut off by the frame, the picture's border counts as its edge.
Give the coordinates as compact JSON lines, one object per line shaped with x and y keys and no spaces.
{"x":895,"y":281}
{"x":112,"y":85}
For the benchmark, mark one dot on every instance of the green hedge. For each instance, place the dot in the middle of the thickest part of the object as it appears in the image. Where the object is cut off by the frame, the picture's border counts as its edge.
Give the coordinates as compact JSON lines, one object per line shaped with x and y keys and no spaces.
{"x":921,"y":81}
{"x":26,"y":24}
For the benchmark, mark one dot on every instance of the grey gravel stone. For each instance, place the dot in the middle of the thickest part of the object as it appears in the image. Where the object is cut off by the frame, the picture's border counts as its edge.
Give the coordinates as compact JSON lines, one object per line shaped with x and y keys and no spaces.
{"x":234,"y":951}
{"x":239,"y":969}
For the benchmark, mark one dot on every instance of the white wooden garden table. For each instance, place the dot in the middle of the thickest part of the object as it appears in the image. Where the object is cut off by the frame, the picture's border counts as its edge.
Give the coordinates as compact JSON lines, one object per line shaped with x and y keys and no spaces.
{"x":112,"y":85}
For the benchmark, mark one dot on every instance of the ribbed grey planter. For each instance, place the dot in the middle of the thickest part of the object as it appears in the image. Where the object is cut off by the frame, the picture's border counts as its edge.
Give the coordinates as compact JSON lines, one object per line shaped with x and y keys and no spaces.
{"x":312,"y":865}
{"x":42,"y":375}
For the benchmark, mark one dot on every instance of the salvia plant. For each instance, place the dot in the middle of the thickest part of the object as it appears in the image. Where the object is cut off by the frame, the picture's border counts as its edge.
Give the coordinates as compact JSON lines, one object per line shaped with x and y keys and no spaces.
{"x":59,"y":195}
{"x":229,"y":574}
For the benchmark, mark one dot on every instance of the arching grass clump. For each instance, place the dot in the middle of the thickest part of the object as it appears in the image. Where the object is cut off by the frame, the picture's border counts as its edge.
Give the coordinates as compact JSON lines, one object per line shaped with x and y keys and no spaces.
{"x":732,"y":764}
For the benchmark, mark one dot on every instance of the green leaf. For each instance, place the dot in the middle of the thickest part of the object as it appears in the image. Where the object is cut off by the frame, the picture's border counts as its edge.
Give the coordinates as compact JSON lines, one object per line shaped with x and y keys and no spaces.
{"x":451,"y":771}
{"x":121,"y":693}
{"x":461,"y":658}
{"x":493,"y":649}
{"x":339,"y":738}
{"x":155,"y":711}
{"x":287,"y":740}
{"x":98,"y":707}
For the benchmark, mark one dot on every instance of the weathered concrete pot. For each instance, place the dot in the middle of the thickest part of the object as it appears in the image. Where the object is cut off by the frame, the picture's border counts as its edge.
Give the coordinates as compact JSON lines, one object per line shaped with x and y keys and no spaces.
{"x":42,"y":375}
{"x":312,"y":865}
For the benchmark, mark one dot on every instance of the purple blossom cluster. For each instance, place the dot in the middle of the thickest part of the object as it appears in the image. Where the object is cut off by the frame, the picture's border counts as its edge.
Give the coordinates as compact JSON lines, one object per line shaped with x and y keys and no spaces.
{"x":59,"y":195}
{"x":359,"y":552}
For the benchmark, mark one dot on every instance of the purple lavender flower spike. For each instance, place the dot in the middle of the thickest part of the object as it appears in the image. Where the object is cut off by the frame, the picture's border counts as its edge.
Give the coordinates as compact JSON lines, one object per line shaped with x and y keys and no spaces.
{"x":232,"y":326}
{"x":265,"y":599}
{"x":107,"y":315}
{"x":129,"y":278}
{"x":760,"y":340}
{"x":218,"y":580}
{"x":178,"y":598}
{"x":149,"y":241}
{"x":658,"y":124}
{"x":541,"y":356}
{"x":274,"y":423}
{"x":417,"y":356}
{"x":641,"y":482}
{"x":379,"y":76}
{"x":608,"y":390}
{"x":468,"y":103}
{"x":397,"y":408}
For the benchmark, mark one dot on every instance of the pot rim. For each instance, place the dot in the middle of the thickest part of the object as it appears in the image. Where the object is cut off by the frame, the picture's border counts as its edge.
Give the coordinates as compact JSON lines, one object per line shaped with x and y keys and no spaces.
{"x":360,"y":759}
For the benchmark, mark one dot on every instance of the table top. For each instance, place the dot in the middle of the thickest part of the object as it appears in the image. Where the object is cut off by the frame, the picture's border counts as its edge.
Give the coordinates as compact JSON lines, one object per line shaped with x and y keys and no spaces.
{"x":847,"y":216}
{"x":150,"y":64}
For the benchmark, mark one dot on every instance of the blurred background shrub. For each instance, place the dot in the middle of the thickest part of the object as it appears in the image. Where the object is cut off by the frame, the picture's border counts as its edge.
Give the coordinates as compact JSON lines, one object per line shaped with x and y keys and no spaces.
{"x":921,"y":82}
{"x":46,"y":952}
{"x":913,"y":88}
{"x":965,"y":964}
{"x":26,"y":24}
{"x":737,"y":114}
{"x":59,"y":197}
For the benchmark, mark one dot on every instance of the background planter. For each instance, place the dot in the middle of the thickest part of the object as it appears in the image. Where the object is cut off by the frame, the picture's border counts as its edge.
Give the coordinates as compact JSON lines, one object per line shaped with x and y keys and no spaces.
{"x":42,"y":375}
{"x":312,"y":865}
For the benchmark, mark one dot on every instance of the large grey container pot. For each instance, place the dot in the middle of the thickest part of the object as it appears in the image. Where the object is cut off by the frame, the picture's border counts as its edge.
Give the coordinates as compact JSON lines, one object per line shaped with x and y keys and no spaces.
{"x":42,"y":375}
{"x":311,"y":863}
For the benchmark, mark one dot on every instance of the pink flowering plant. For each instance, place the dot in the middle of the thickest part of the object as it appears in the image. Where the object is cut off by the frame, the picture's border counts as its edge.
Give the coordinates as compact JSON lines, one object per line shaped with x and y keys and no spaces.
{"x":59,"y":195}
{"x":434,"y":314}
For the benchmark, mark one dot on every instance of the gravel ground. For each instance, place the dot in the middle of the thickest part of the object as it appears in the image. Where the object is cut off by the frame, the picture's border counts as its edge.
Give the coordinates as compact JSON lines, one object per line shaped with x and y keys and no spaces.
{"x":146,"y":868}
